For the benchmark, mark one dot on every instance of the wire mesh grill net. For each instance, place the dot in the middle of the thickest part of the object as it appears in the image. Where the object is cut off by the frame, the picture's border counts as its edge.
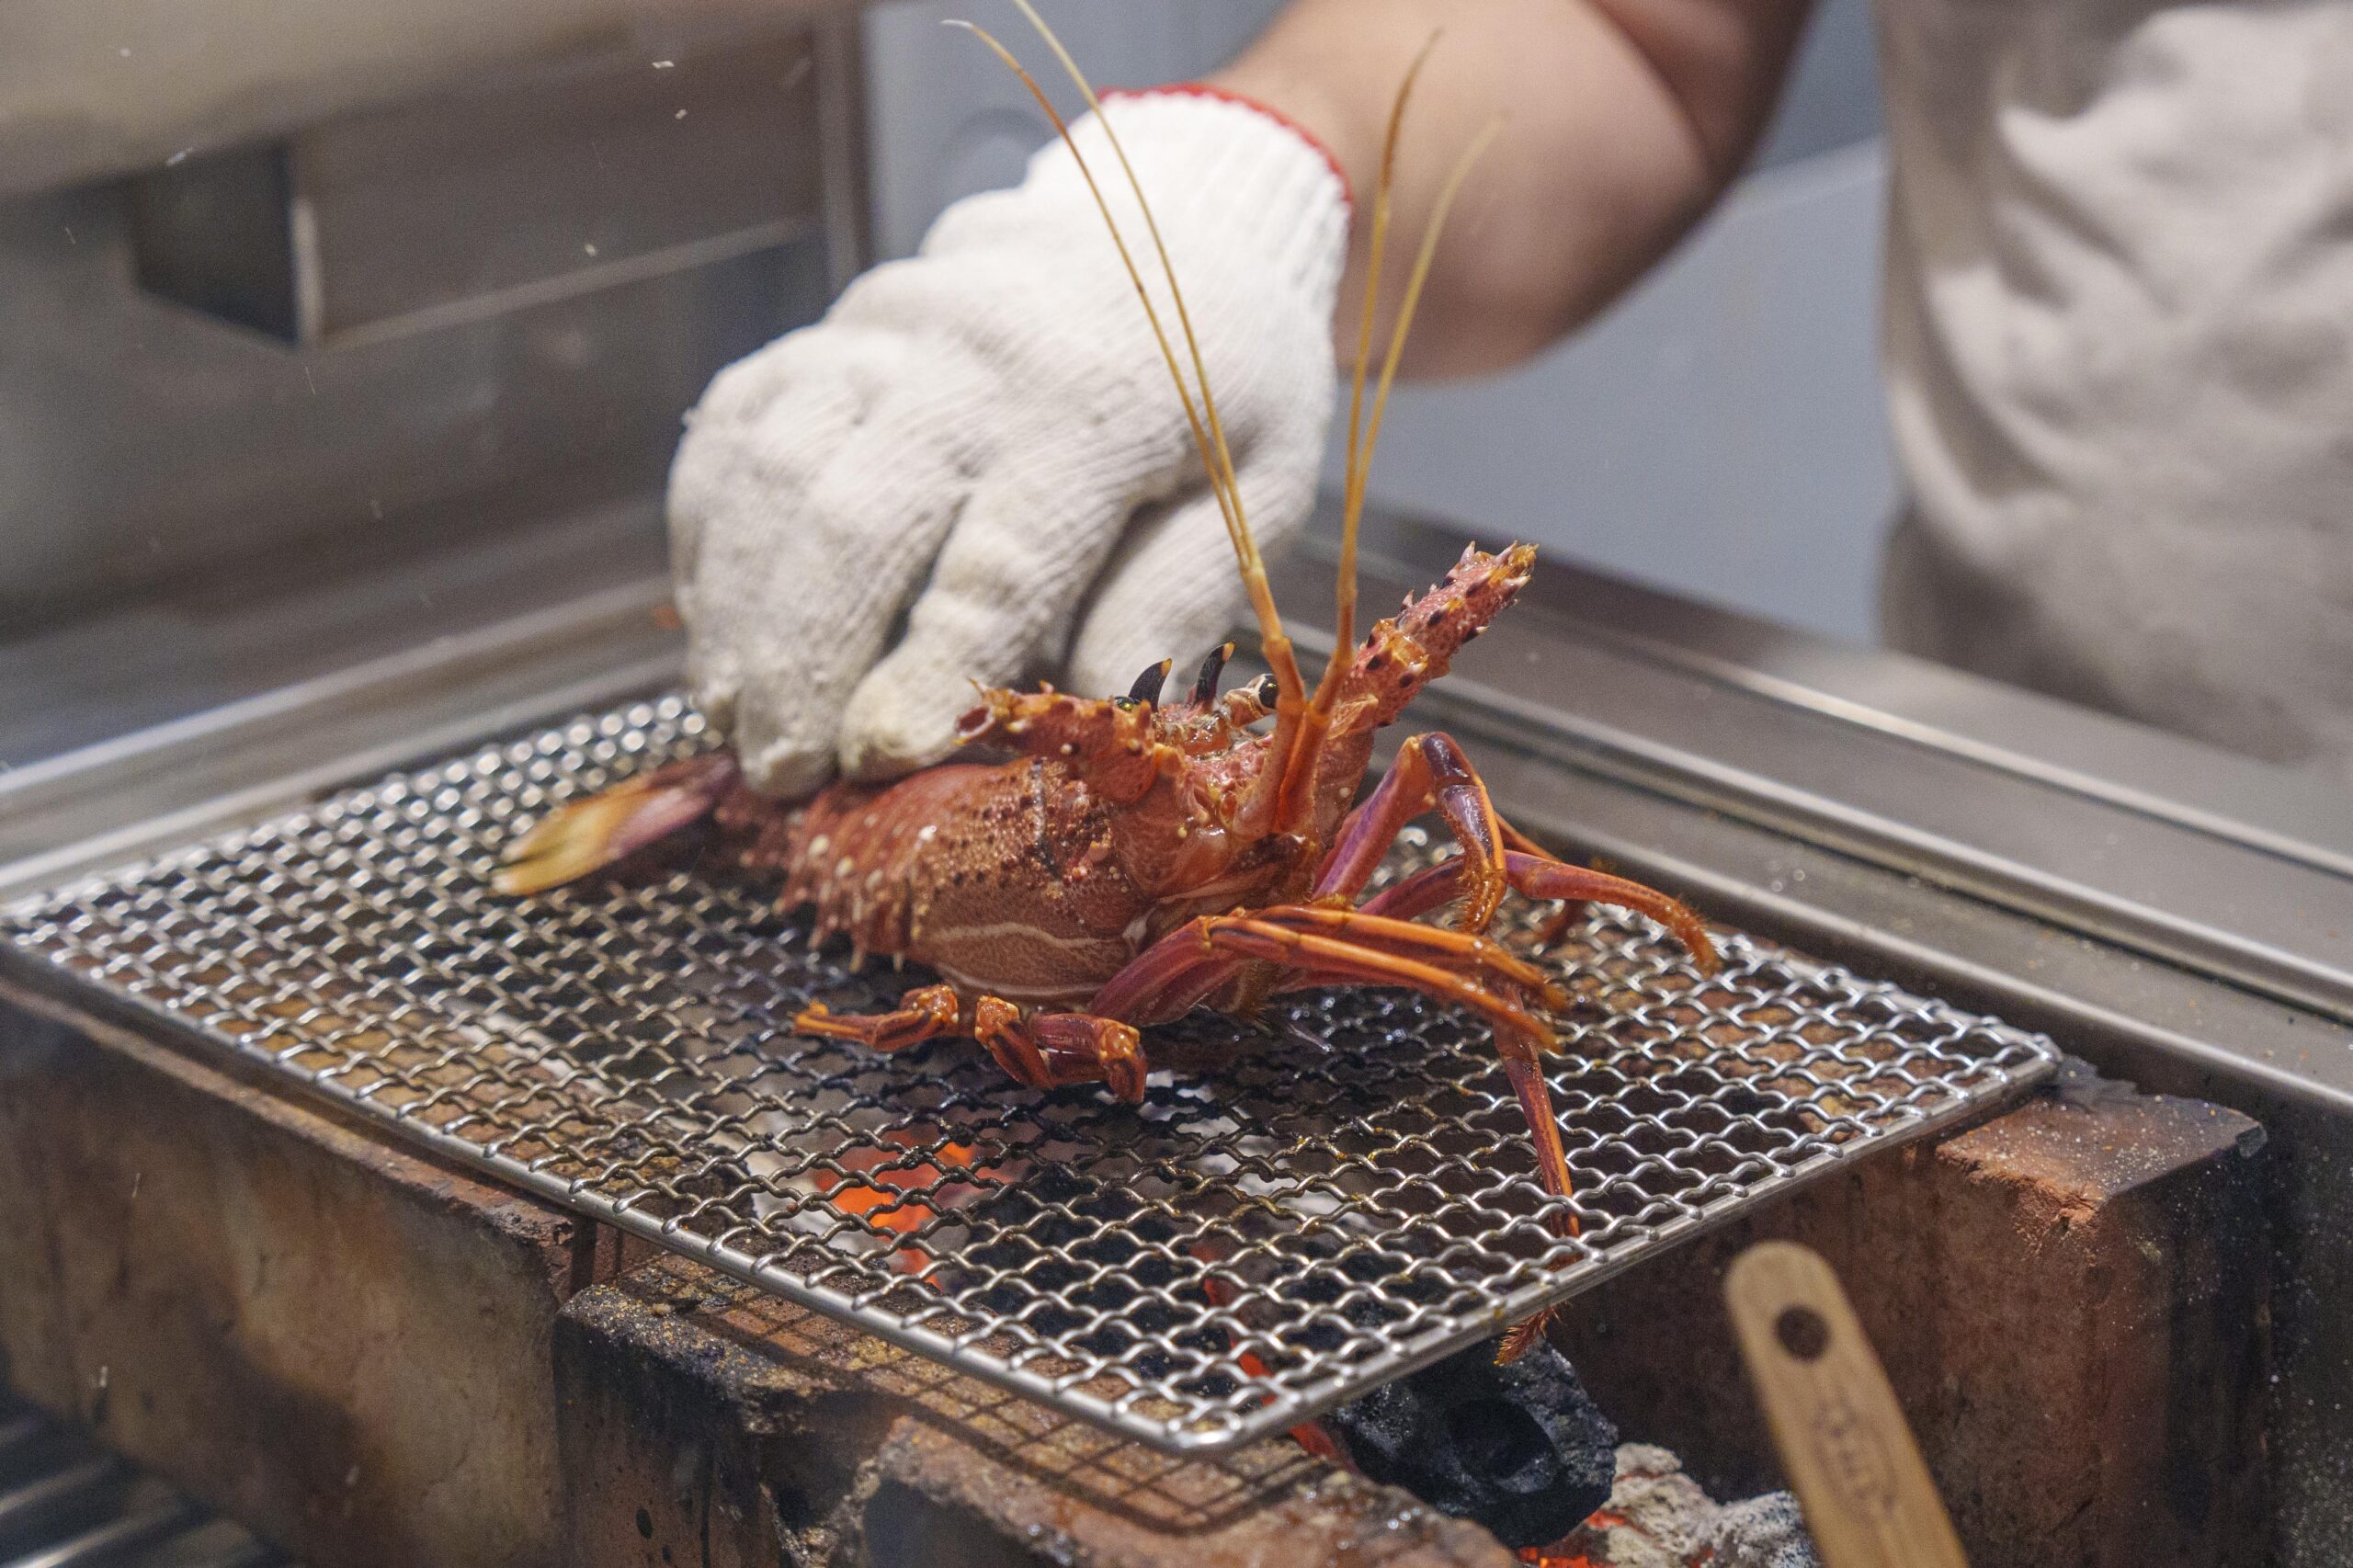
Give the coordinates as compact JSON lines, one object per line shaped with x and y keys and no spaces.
{"x":1303,"y":1207}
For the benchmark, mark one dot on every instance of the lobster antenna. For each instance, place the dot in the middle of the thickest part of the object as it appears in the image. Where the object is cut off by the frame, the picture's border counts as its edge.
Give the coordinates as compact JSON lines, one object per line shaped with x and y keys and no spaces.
{"x":1413,"y":282}
{"x":1300,"y":765}
{"x":1215,"y":455}
{"x":1344,"y":614}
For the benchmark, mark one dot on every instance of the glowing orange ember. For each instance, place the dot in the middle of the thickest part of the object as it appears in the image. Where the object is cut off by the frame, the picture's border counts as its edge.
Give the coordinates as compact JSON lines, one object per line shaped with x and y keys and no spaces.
{"x":879,"y":1198}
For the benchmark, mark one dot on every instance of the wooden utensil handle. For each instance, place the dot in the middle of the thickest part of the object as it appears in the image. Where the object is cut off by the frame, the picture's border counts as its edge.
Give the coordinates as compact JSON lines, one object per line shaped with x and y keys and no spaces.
{"x":1865,"y":1492}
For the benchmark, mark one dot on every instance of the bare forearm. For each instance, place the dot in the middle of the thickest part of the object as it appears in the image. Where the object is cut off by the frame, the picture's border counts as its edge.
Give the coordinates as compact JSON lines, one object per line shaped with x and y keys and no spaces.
{"x":1624,"y":119}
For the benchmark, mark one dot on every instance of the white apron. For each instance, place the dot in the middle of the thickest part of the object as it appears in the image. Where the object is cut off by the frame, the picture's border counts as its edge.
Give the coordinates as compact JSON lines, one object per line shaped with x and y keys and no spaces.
{"x":2120,"y":351}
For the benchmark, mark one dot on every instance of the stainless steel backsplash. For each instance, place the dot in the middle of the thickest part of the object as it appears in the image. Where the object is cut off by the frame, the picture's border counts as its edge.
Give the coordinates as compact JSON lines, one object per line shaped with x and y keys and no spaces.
{"x":144,"y":441}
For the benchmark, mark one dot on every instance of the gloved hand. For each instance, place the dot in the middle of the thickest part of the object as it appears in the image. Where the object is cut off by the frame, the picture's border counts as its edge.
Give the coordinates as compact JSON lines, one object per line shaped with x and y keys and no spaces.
{"x":983,"y":437}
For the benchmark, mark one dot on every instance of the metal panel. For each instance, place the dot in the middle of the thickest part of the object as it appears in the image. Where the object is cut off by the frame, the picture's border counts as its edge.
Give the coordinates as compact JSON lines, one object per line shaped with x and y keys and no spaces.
{"x":469,"y":206}
{"x":141,"y":444}
{"x":506,"y":293}
{"x":1300,"y":1213}
{"x":91,"y":88}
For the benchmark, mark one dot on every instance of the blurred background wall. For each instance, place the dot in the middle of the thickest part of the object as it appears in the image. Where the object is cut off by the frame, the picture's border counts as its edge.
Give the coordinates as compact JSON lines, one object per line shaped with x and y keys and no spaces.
{"x":1719,"y":432}
{"x":277,"y":277}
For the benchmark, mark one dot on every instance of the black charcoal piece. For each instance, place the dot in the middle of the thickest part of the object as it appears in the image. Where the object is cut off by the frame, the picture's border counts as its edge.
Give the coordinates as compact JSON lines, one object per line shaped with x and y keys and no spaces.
{"x":1520,"y":1449}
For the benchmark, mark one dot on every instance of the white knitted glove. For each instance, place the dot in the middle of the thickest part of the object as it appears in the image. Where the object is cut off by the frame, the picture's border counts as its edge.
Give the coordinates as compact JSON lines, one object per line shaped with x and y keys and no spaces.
{"x":985,"y":439}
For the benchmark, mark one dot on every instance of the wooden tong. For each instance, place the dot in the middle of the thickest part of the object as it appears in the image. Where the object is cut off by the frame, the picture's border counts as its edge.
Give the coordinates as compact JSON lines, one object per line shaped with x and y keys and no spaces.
{"x":1865,"y":1489}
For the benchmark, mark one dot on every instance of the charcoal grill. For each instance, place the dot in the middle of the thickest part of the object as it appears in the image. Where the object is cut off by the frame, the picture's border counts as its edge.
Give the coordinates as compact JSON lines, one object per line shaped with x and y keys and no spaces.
{"x":469,"y":545}
{"x":1331,"y":1197}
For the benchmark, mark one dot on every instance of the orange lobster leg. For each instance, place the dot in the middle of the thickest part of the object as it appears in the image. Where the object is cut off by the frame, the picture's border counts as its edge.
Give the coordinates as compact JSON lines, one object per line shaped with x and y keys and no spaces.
{"x":1476,"y":956}
{"x":1051,"y":1050}
{"x":1327,"y":945}
{"x":1535,"y":1096}
{"x":1267,"y":936}
{"x":1518,"y":1035}
{"x":1044,"y":1051}
{"x":1542,"y":877}
{"x":1431,"y":770}
{"x":925,"y":1013}
{"x":1539,"y":876}
{"x":1334,"y":945}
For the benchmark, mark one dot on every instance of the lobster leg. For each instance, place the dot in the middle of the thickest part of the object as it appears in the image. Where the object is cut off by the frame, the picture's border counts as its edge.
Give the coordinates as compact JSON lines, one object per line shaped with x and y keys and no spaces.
{"x":1044,"y":1051}
{"x":1433,"y":886}
{"x":1431,"y":770}
{"x":1525,"y":1070}
{"x":1535,"y":1097}
{"x":925,"y":1013}
{"x":1184,"y":968}
{"x":1052,"y":1050}
{"x":1368,"y":947}
{"x":1540,"y":877}
{"x":1325,"y":946}
{"x":1476,"y":958}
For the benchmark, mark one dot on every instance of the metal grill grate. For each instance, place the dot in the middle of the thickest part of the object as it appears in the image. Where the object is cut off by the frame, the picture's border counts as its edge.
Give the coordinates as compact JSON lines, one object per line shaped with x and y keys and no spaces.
{"x":1311,"y":1205}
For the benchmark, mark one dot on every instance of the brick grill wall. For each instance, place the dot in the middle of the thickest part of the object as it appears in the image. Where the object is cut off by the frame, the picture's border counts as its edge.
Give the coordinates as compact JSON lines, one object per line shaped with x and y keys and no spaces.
{"x":2071,"y":1300}
{"x":379,"y":1360}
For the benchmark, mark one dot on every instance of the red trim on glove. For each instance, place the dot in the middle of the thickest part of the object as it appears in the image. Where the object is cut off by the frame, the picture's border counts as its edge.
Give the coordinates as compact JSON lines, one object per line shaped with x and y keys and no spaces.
{"x":1227,"y":94}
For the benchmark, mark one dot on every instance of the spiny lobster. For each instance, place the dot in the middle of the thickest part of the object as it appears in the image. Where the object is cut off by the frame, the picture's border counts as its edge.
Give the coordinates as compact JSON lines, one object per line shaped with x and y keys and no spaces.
{"x":1137,"y":859}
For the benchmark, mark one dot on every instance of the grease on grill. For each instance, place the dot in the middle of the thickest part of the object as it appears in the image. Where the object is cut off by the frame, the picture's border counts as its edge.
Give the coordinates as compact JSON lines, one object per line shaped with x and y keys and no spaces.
{"x":1291,"y":1214}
